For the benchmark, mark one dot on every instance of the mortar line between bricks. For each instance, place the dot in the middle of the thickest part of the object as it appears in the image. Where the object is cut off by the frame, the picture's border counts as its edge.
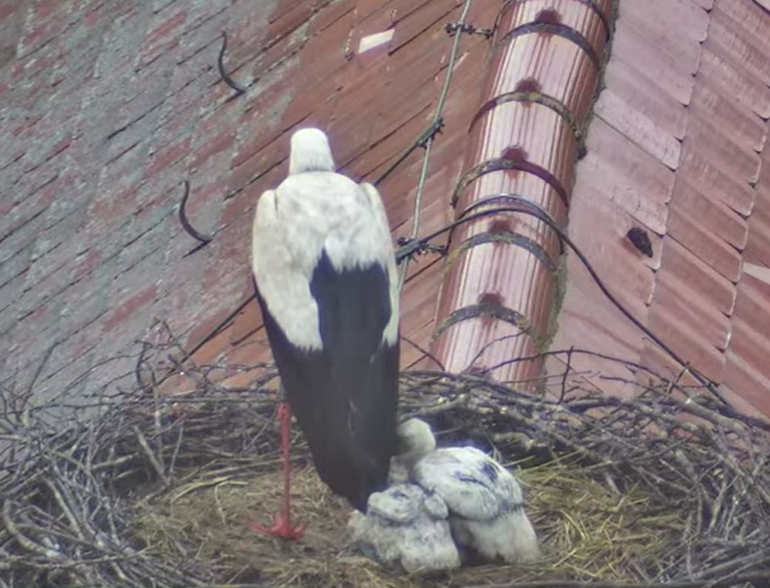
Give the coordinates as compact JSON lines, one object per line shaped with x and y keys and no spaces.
{"x":22,"y":223}
{"x":69,"y":336}
{"x":12,"y":278}
{"x":82,"y":377}
{"x":88,"y":273}
{"x":205,"y":20}
{"x":162,"y":8}
{"x":37,"y":48}
{"x":124,"y":152}
{"x":10,"y":162}
{"x":116,"y":132}
{"x":35,"y":191}
{"x":199,"y":51}
{"x":50,"y":156}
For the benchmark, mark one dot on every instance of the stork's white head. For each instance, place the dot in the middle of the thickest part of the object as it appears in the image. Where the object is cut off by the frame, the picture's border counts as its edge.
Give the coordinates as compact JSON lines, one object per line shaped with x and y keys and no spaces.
{"x":415,"y":440}
{"x":310,"y":151}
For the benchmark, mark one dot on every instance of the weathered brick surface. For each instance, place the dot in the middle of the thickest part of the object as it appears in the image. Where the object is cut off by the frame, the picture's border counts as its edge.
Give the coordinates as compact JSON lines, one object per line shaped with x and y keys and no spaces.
{"x":105,"y":108}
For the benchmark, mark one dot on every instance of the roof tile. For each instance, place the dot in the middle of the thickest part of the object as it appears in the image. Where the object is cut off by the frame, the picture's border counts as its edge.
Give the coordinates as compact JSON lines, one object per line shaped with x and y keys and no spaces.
{"x":699,"y":173}
{"x":687,"y":307}
{"x":718,"y":147}
{"x":623,"y":172}
{"x":733,"y":38}
{"x":599,"y":226}
{"x":758,"y":248}
{"x":752,"y":397}
{"x":641,"y":91}
{"x":751,"y":304}
{"x":715,"y":217}
{"x":687,"y":342}
{"x":675,"y":27}
{"x":685,"y":272}
{"x":701,"y":234}
{"x":746,"y":371}
{"x":729,"y":117}
{"x":640,"y":129}
{"x":724,"y":72}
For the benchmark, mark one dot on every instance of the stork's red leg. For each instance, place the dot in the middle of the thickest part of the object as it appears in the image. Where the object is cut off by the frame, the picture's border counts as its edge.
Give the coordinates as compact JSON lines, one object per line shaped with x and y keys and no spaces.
{"x":282,"y":526}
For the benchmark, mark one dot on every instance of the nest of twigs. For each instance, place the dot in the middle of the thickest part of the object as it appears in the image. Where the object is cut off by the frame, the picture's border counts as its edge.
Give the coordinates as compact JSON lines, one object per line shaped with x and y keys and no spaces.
{"x":669,"y":488}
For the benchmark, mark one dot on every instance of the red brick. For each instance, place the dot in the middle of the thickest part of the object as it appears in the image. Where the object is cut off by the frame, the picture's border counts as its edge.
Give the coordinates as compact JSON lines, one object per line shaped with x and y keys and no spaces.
{"x":167,"y":155}
{"x":163,"y":37}
{"x":85,"y":263}
{"x":210,"y":146}
{"x":136,"y":302}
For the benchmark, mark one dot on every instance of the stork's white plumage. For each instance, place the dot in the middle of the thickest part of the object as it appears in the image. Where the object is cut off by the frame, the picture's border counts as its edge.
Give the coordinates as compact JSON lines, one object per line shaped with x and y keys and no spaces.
{"x":407,"y":525}
{"x":326,"y":281}
{"x":485,"y":501}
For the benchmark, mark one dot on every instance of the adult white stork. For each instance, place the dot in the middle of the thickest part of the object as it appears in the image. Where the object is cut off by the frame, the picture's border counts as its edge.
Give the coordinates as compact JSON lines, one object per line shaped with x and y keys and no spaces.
{"x":326,"y":282}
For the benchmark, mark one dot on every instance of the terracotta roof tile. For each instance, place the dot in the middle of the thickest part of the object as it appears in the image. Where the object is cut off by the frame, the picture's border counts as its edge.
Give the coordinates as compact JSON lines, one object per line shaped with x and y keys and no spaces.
{"x":675,"y":27}
{"x":716,"y":218}
{"x":687,"y":342}
{"x":624,"y":173}
{"x":686,"y":307}
{"x":729,"y":117}
{"x":750,"y":384}
{"x":724,"y":71}
{"x":677,"y":146}
{"x":734,"y":38}
{"x":628,"y":120}
{"x":705,"y":177}
{"x":598,"y":226}
{"x":719,"y":148}
{"x":640,"y":89}
{"x":704,"y":235}
{"x":750,"y":16}
{"x":758,"y":248}
{"x":707,"y":235}
{"x":747,"y":356}
{"x":683,"y":270}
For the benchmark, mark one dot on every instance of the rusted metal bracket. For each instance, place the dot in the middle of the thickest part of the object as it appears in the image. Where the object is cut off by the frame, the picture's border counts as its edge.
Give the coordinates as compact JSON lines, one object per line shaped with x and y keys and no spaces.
{"x":223,"y":72}
{"x":463,"y":27}
{"x":202,"y":239}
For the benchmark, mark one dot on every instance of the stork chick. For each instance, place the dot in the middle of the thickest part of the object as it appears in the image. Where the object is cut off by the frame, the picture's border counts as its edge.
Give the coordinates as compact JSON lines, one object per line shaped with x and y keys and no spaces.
{"x":485,"y":502}
{"x":406,"y":525}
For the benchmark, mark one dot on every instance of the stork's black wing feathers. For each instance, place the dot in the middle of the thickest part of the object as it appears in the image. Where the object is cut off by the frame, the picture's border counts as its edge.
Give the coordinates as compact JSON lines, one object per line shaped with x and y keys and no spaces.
{"x":345,"y":397}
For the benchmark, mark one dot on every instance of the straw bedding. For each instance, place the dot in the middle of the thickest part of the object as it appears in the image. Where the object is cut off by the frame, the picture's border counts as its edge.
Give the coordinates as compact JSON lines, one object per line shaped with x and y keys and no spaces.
{"x":669,"y":488}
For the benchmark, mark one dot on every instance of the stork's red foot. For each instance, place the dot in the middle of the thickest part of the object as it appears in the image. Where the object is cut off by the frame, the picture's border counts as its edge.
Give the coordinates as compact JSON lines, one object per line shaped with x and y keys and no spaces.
{"x":282,"y":528}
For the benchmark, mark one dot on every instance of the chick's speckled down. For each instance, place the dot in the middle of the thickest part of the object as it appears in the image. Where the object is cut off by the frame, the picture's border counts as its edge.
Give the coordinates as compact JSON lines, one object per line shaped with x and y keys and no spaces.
{"x":407,"y":525}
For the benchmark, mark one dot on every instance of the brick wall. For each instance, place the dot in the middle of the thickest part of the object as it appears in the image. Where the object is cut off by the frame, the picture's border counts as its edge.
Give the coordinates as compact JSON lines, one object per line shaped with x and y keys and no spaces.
{"x":105,"y":107}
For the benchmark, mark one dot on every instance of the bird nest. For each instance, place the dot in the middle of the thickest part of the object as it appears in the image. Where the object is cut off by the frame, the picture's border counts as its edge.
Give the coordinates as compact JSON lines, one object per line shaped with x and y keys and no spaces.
{"x":669,"y":488}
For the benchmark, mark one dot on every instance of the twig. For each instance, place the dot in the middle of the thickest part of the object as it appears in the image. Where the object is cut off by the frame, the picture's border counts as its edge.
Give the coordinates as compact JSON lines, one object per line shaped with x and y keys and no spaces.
{"x":150,"y":455}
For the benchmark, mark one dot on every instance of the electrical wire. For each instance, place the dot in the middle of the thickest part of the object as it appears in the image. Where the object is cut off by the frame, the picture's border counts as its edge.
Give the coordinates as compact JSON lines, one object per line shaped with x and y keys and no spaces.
{"x":527,"y":208}
{"x":426,"y":155}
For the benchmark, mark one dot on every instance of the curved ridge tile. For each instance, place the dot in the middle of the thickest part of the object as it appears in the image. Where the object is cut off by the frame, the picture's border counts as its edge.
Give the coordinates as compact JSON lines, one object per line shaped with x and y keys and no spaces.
{"x":496,"y":306}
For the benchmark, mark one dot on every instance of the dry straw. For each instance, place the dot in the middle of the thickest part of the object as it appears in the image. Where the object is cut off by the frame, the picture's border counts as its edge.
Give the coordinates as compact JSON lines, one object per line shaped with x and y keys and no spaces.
{"x":666,"y":489}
